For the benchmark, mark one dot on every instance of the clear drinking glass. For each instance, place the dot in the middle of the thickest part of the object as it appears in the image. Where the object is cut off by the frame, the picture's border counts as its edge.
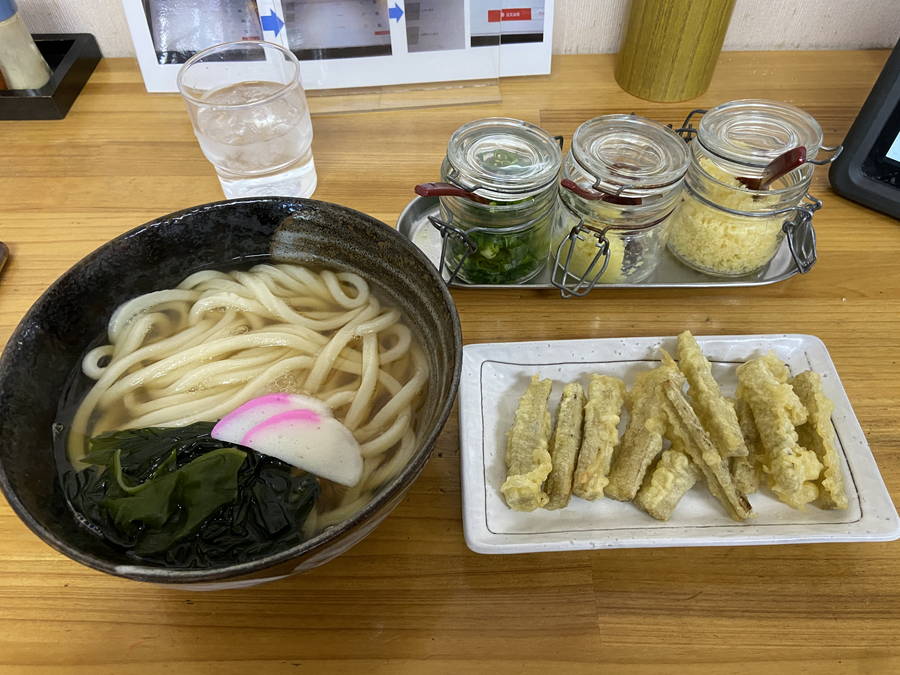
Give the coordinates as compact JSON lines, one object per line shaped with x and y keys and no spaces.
{"x":251,"y":118}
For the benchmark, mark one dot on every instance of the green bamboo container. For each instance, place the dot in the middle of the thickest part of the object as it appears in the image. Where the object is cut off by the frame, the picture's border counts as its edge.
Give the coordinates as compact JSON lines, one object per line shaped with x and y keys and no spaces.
{"x":671,"y":47}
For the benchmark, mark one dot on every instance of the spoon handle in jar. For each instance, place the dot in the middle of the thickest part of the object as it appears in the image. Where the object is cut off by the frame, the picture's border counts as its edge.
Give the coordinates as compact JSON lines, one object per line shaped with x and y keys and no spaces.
{"x":596,"y":195}
{"x":447,"y":190}
{"x":778,"y":167}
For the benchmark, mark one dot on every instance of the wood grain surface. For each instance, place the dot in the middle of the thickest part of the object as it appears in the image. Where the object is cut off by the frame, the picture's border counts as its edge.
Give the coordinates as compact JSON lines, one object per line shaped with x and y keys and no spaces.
{"x":412,"y":598}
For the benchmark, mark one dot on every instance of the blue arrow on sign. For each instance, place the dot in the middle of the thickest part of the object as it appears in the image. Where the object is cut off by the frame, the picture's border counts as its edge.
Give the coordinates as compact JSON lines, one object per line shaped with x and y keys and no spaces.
{"x":395,"y":12}
{"x":272,"y":22}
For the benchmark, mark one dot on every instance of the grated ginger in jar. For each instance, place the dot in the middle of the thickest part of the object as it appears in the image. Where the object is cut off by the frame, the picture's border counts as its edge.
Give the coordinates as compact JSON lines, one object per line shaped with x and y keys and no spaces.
{"x":720,"y":243}
{"x":586,"y":249}
{"x":633,"y":253}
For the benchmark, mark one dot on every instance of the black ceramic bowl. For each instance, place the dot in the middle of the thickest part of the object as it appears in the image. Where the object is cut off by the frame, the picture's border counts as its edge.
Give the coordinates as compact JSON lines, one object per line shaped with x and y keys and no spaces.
{"x":75,"y":309}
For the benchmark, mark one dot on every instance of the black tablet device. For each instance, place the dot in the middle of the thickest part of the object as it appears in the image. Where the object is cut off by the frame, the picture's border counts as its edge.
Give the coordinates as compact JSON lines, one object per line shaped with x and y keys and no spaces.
{"x":868,"y":170}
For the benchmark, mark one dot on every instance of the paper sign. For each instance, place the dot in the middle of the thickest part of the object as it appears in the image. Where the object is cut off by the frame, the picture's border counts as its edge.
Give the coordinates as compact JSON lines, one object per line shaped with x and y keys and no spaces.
{"x":352,"y":43}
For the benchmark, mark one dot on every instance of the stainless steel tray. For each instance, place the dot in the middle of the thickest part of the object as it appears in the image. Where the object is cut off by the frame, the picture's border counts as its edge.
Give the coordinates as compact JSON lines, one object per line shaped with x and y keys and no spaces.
{"x":670,"y":273}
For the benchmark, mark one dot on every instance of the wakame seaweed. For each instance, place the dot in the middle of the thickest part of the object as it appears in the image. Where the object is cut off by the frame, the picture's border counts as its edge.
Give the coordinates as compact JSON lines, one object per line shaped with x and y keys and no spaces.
{"x":178,"y":497}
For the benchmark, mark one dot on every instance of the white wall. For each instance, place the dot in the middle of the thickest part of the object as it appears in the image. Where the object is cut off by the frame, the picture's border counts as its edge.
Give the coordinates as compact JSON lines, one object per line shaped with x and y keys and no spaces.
{"x":582,"y":26}
{"x":595,"y":26}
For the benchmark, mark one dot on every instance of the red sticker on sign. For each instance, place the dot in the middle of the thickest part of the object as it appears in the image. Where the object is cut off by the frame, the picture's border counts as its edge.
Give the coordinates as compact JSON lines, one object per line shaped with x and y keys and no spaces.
{"x":498,"y":15}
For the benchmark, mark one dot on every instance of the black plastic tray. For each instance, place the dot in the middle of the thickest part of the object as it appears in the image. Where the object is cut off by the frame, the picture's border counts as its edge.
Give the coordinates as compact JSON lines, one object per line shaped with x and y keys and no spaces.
{"x":72,"y":57}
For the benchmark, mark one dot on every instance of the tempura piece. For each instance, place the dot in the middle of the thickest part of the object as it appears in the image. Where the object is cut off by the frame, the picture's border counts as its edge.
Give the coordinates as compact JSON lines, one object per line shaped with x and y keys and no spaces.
{"x":715,"y":412}
{"x":643,"y":439}
{"x":782,"y":374}
{"x":791,"y":469}
{"x":606,"y":395}
{"x":564,"y":447}
{"x":817,"y":435}
{"x":776,"y":366}
{"x":746,"y":470}
{"x":669,"y":480}
{"x":527,"y":458}
{"x":688,"y":433}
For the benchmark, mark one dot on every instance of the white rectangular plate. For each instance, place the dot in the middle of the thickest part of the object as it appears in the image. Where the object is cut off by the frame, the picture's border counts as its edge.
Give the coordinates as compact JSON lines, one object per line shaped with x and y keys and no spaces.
{"x":494,"y":376}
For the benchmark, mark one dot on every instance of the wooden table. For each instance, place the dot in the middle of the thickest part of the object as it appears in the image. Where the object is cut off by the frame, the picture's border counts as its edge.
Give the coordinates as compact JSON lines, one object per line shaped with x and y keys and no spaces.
{"x":412,"y":598}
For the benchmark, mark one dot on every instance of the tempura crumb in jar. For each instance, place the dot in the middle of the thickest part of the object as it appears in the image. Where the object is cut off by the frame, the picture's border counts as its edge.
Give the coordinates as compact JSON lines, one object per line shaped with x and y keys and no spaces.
{"x":738,"y":140}
{"x":717,"y":242}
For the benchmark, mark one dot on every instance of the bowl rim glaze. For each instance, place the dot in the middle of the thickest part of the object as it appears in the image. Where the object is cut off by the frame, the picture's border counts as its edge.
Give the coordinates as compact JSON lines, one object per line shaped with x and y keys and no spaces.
{"x":388,"y":493}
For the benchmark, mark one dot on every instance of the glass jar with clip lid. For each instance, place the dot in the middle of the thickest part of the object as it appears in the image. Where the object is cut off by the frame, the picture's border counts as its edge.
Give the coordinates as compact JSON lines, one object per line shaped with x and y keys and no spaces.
{"x":621,"y":181}
{"x":497,"y":201}
{"x":752,"y":162}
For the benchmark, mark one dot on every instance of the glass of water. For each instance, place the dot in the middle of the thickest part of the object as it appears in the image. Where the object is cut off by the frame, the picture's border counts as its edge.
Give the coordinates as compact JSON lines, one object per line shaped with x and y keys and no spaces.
{"x":251,"y":118}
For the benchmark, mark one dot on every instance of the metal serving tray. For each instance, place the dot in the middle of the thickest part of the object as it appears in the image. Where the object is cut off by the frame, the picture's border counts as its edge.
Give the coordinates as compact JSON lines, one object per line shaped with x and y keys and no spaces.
{"x":670,"y":273}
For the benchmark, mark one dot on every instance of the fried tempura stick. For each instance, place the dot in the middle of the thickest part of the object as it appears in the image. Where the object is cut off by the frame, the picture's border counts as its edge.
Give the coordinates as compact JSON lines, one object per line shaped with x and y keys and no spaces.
{"x":643,"y":439}
{"x":673,"y":475}
{"x":776,"y":366}
{"x":527,"y":459}
{"x":745,"y":470}
{"x":606,"y":396}
{"x":715,"y":412}
{"x":817,"y":435}
{"x":791,"y":469}
{"x":686,"y":429}
{"x":564,"y":447}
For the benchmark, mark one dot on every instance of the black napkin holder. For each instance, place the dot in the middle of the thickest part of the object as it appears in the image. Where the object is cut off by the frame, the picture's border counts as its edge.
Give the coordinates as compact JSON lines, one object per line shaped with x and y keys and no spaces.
{"x":72,"y":57}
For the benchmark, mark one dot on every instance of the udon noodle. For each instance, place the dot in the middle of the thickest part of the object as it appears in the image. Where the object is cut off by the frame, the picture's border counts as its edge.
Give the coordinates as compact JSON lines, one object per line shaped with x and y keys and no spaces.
{"x":198,"y":351}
